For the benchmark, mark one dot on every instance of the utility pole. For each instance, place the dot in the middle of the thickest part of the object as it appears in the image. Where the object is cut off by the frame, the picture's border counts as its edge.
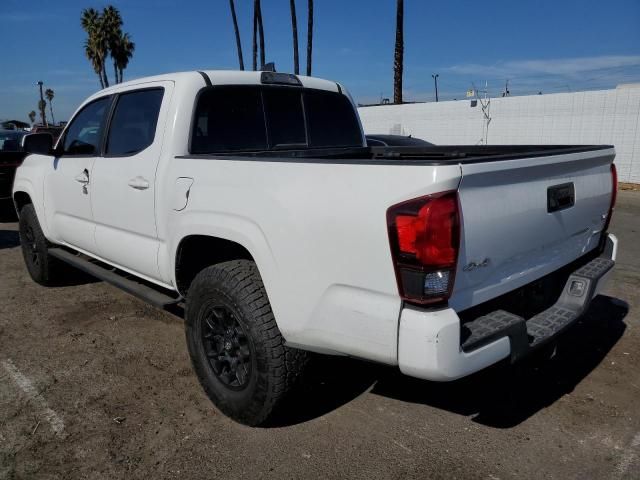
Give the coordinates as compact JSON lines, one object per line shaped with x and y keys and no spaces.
{"x":435,"y":80}
{"x":41,"y":104}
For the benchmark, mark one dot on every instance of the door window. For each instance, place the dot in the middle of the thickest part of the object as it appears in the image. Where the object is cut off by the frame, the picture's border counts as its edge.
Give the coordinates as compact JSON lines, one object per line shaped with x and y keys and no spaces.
{"x":85,"y":131}
{"x":134,"y":121}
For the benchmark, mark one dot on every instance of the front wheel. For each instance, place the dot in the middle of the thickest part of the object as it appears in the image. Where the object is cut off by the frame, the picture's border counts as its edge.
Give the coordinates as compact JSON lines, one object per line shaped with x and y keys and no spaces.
{"x":236,"y":348}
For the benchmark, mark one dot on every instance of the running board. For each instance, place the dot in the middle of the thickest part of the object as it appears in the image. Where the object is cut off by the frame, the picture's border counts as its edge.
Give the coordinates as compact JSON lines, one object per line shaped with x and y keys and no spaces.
{"x":132,"y":286}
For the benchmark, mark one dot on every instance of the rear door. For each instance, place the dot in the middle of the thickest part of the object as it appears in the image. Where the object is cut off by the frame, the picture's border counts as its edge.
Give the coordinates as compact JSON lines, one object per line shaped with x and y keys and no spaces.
{"x":124,"y":189}
{"x":525,"y":218}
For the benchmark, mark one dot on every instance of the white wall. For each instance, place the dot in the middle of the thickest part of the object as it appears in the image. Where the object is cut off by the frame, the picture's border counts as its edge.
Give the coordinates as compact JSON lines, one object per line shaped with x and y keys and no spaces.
{"x":596,"y":117}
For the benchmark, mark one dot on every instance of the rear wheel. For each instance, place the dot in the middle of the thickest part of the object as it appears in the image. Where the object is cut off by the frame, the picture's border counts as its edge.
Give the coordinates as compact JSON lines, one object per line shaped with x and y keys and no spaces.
{"x":236,"y":348}
{"x":43,"y":268}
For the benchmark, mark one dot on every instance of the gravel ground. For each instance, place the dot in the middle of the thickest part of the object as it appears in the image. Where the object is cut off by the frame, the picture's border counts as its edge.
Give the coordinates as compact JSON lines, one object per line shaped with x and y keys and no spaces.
{"x":96,"y":384}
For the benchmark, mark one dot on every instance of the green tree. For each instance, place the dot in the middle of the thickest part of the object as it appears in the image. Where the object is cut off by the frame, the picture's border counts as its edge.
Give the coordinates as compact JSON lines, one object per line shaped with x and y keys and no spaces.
{"x":398,"y":55}
{"x":95,"y":46}
{"x":50,"y":94}
{"x":232,"y":6}
{"x":123,"y":54}
{"x":105,"y":38}
{"x":112,"y":32}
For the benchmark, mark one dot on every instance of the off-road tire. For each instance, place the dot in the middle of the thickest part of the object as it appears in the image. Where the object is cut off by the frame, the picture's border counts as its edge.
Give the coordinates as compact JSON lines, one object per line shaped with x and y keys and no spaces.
{"x":273,"y":368}
{"x":43,"y":268}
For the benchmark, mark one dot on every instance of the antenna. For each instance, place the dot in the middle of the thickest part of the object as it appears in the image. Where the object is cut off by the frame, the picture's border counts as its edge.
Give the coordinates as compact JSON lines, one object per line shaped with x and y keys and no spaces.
{"x":485,"y":103}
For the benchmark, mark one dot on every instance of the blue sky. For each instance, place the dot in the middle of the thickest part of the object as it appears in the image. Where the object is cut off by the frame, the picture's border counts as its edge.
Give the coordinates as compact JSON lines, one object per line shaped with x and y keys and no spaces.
{"x":547,"y":45}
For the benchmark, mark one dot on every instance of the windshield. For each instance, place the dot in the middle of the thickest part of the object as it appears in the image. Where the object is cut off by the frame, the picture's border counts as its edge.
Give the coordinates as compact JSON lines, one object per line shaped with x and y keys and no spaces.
{"x":10,"y":141}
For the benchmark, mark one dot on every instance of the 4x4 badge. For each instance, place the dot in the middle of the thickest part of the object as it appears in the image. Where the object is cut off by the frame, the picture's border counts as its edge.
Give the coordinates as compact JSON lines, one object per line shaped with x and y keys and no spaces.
{"x":473,"y":265}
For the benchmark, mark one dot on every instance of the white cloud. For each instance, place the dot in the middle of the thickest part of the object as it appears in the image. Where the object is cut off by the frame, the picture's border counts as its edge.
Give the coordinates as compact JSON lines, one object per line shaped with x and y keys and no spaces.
{"x":567,"y":67}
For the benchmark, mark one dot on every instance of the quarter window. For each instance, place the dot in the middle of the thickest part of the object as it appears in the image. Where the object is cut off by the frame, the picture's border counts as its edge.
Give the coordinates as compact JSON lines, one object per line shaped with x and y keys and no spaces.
{"x":85,"y":131}
{"x":134,"y":121}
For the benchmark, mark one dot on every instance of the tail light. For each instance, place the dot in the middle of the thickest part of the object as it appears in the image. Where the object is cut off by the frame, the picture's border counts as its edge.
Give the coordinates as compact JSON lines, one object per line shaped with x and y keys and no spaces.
{"x":425,"y":236}
{"x":614,"y":195}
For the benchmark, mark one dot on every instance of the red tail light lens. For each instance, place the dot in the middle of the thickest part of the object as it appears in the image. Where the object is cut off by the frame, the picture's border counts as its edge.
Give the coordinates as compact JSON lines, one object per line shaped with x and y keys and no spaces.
{"x":424,"y":235}
{"x":614,"y":195}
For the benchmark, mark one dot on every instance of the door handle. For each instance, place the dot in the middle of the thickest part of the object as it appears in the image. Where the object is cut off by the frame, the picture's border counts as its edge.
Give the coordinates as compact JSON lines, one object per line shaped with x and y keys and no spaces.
{"x":139,"y":183}
{"x":83,"y":177}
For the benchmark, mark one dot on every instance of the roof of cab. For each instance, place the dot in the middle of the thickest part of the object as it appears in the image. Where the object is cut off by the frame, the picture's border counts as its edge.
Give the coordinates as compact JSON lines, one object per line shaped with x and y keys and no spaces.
{"x":224,"y":77}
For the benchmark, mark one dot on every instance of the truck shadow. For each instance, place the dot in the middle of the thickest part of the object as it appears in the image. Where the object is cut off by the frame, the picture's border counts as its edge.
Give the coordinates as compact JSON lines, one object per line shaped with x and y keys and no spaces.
{"x":502,"y":396}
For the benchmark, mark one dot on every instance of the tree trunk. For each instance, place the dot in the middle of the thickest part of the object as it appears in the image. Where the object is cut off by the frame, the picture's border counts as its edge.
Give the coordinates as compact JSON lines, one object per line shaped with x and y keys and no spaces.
{"x":53,"y":119}
{"x":255,"y":34}
{"x":42,"y":106}
{"x":115,"y":71}
{"x":398,"y":57}
{"x":294,"y":28}
{"x":261,"y":34}
{"x":309,"y":36}
{"x":235,"y":28}
{"x":105,"y":79}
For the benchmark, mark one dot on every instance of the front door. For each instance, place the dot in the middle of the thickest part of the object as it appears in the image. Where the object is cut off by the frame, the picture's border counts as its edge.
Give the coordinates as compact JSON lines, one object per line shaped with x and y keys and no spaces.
{"x":124,"y":177}
{"x":68,"y":185}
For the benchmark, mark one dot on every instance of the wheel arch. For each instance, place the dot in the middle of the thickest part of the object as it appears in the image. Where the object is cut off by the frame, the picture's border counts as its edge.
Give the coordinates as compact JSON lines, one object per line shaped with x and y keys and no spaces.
{"x":195,"y":252}
{"x":20,"y":199}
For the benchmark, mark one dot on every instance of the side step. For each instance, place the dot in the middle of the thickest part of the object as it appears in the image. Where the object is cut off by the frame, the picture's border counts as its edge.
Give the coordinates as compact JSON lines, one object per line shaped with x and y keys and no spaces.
{"x":133,"y":286}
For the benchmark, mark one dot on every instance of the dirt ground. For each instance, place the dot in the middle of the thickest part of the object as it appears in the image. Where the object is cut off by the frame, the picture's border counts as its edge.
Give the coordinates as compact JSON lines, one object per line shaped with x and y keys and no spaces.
{"x":96,"y":384}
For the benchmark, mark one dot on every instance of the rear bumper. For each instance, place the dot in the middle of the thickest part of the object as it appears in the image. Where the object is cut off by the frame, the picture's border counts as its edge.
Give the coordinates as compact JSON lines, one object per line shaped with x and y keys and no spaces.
{"x":429,"y":344}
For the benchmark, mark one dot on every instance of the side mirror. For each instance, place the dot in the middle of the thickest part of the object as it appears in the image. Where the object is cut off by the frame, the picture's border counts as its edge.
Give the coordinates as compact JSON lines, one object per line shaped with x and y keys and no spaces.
{"x":41,"y":143}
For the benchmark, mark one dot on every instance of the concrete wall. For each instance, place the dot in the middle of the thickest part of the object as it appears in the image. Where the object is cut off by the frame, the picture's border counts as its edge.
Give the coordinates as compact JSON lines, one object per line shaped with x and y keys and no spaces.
{"x":596,"y":117}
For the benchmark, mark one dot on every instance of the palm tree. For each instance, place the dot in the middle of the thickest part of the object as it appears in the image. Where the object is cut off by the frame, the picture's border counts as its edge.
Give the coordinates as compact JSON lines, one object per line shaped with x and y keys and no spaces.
{"x":398,"y":56}
{"x":309,"y":36}
{"x":112,"y":31}
{"x":255,"y":34}
{"x":42,"y":105}
{"x":95,"y":45}
{"x":261,"y":34}
{"x":235,"y":28}
{"x":32,"y":116}
{"x":294,"y":28}
{"x":123,"y":54}
{"x":49,"y":94}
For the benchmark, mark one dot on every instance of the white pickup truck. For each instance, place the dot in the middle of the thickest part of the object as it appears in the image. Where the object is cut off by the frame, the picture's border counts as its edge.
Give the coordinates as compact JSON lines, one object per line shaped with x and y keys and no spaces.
{"x":252,"y":199}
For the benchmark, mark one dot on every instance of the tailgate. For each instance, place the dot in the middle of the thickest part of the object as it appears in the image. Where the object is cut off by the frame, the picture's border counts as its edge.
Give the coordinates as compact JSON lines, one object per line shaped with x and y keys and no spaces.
{"x":520,"y":223}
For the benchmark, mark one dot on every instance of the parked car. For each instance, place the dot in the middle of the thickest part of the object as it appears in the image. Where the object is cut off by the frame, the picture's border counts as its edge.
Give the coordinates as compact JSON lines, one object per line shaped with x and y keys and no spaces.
{"x":253,"y":200}
{"x":381,"y":140}
{"x":11,"y":156}
{"x":55,"y":131}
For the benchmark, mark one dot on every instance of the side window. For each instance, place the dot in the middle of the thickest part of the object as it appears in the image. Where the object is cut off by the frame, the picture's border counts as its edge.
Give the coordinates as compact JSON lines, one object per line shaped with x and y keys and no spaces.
{"x":134,"y":121}
{"x":229,"y":119}
{"x":85,"y":131}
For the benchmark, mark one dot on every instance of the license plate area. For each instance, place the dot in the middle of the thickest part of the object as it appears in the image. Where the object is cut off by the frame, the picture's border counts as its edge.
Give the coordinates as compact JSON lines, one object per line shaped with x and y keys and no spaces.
{"x":560,"y":197}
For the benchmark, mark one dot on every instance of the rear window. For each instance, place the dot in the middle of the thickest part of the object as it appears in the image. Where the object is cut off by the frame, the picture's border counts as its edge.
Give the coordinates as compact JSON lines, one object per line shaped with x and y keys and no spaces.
{"x":254,"y":118}
{"x":229,"y":119}
{"x":331,"y":121}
